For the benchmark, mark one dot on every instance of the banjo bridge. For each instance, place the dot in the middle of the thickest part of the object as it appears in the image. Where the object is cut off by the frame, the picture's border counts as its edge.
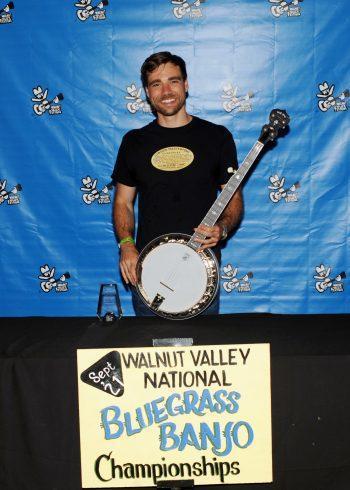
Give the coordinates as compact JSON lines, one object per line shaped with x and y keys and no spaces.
{"x":168,"y":287}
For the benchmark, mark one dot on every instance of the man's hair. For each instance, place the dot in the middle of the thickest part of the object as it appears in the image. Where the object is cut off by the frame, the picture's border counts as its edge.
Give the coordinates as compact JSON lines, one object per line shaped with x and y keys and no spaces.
{"x":157,"y":59}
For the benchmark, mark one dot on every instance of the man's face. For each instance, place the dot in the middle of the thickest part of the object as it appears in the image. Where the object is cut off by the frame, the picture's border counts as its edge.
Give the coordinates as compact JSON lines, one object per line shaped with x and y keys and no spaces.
{"x":166,"y":89}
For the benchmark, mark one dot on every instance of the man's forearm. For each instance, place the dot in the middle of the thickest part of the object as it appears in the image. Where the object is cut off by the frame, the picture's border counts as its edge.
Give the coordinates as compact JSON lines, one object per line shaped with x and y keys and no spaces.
{"x":233,"y":213}
{"x":124,"y":225}
{"x":124,"y":220}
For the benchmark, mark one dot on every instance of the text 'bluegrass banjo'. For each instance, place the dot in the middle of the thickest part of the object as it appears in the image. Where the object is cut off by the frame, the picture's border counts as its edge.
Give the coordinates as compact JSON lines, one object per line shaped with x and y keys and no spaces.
{"x":174,"y":279}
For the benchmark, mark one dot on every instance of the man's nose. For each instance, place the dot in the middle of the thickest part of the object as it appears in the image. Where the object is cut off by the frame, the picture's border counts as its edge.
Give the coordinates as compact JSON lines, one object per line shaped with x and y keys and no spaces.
{"x":166,"y":88}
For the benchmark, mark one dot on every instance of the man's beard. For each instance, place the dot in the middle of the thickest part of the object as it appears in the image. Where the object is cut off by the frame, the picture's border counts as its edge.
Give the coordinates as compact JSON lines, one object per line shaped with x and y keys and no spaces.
{"x":169,"y":111}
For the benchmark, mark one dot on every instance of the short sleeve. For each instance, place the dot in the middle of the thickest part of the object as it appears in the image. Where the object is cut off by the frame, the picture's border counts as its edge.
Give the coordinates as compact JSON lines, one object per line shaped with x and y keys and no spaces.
{"x":123,"y":172}
{"x":228,"y":157}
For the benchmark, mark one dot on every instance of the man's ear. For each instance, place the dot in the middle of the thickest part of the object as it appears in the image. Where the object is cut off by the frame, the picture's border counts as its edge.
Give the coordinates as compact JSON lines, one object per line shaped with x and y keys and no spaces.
{"x":186,"y":85}
{"x":146,"y":90}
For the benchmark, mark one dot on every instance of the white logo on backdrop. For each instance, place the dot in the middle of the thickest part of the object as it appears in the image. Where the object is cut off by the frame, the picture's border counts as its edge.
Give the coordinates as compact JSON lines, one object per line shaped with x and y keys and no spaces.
{"x":279,"y":192}
{"x":91,"y":193}
{"x":328,"y":100}
{"x":233,"y":101}
{"x":43,"y":105}
{"x":324,"y":280}
{"x":86,"y":10}
{"x":183,"y":8}
{"x":5,"y":14}
{"x":11,"y":196}
{"x":136,"y":102}
{"x":233,"y":282}
{"x":50,"y":283}
{"x":281,"y":7}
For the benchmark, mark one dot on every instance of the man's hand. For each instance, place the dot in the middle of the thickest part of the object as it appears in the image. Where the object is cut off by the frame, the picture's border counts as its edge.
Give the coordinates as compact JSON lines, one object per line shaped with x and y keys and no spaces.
{"x":229,"y":220}
{"x":128,"y":261}
{"x":212,"y":235}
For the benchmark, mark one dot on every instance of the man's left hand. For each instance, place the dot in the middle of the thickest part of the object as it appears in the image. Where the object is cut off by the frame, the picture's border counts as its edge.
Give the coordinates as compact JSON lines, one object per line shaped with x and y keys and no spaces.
{"x":212,"y":235}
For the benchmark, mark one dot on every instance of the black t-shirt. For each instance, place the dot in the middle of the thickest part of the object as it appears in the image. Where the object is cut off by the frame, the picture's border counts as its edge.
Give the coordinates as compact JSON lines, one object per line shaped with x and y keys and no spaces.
{"x":177,"y":173}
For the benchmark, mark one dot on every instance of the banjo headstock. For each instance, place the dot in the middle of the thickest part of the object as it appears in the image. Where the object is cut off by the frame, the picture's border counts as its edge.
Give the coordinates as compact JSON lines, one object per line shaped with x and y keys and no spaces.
{"x":278,"y":119}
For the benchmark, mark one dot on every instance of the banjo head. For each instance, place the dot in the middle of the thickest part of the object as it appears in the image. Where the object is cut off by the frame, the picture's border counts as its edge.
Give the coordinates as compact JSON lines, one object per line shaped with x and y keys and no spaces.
{"x":174,"y":280}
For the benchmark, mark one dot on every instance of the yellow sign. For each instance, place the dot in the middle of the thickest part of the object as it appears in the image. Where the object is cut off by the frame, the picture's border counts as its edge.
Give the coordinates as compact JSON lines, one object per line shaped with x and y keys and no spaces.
{"x":172,"y":158}
{"x":175,"y":413}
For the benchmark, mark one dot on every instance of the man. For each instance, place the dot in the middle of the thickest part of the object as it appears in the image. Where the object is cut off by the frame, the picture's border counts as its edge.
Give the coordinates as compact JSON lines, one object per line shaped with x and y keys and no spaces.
{"x":176,"y":164}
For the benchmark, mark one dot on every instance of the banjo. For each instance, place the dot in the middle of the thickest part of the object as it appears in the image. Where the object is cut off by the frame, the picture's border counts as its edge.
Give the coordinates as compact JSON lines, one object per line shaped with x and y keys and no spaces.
{"x":175,"y":279}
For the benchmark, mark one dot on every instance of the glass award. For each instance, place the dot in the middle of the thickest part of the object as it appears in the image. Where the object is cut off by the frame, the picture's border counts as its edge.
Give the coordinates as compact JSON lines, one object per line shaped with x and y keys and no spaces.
{"x":109,"y":309}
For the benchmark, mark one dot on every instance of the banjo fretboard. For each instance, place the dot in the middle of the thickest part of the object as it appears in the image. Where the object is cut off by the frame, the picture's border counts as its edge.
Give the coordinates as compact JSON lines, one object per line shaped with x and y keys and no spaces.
{"x":226,"y":194}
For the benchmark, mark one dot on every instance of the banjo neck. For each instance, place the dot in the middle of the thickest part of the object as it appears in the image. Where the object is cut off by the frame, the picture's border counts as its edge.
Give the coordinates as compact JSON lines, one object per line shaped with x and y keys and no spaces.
{"x":226,"y":194}
{"x":278,"y":119}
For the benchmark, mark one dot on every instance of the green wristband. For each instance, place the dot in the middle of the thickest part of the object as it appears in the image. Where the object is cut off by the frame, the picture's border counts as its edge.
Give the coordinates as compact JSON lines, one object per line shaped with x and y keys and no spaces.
{"x":128,"y":239}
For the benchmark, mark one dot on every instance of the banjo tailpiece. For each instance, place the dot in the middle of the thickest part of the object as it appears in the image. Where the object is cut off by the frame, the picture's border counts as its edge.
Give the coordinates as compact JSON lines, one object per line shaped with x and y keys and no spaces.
{"x":157,"y":301}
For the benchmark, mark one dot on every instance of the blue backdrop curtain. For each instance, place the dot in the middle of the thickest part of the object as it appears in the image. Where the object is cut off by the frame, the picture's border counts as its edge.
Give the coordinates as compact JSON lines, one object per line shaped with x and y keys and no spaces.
{"x":70,"y":89}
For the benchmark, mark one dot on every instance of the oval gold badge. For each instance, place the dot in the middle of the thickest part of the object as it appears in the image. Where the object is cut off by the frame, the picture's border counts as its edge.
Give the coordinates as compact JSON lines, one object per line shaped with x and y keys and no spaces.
{"x":172,"y":158}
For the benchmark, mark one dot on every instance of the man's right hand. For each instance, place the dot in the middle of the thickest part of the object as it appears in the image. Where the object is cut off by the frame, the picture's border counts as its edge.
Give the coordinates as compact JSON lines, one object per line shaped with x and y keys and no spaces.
{"x":128,"y":261}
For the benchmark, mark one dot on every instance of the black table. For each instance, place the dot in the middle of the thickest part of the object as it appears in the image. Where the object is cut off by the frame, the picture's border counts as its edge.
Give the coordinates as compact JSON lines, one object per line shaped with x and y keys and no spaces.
{"x":310,"y":362}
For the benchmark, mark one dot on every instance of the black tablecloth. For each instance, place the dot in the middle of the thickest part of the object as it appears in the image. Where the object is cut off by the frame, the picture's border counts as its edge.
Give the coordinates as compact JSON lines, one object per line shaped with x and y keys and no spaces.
{"x":310,"y":363}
